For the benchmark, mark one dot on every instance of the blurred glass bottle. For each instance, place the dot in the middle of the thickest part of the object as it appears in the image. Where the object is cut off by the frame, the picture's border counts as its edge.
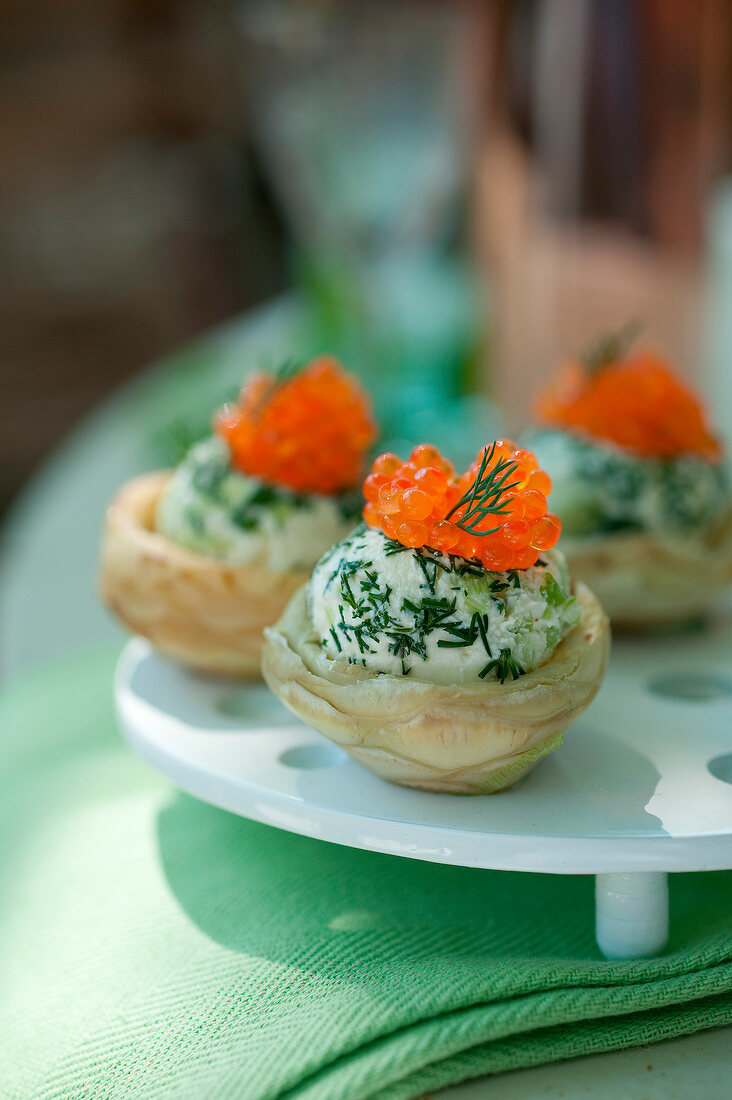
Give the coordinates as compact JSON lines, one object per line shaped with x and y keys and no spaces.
{"x":609,"y":126}
{"x":363,"y":114}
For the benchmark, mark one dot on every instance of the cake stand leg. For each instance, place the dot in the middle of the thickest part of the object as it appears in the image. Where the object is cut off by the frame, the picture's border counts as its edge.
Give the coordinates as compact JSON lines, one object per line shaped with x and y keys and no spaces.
{"x":631,"y":914}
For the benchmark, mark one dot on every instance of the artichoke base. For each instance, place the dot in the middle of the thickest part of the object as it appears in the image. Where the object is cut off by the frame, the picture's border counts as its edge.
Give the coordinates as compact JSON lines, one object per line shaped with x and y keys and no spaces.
{"x":645,"y":579}
{"x":491,"y":778}
{"x":196,"y":610}
{"x":475,"y":738}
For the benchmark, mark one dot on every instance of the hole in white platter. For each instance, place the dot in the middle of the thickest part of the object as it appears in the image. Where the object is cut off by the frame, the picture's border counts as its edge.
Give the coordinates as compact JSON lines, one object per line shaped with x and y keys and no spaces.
{"x":721,"y":767}
{"x":311,"y":756}
{"x":693,"y":689}
{"x":253,"y":705}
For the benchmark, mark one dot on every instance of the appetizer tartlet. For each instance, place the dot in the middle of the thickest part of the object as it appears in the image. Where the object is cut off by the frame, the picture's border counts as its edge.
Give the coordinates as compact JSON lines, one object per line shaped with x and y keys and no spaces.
{"x":442,"y":643}
{"x":640,"y":486}
{"x":200,"y":559}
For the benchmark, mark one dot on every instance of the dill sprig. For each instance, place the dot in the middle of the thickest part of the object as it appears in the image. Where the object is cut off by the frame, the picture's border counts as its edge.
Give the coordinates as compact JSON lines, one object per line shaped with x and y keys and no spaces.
{"x":278,"y":376}
{"x":611,"y":346}
{"x":286,"y":370}
{"x":483,"y":498}
{"x":504,"y":665}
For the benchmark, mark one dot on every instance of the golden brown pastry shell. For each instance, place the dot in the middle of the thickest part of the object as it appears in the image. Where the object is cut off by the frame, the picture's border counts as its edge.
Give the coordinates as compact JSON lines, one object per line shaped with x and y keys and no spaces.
{"x":199,"y":611}
{"x":472,"y":738}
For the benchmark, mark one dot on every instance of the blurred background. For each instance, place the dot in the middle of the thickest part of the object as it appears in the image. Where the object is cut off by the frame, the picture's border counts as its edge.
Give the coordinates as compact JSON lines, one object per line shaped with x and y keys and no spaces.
{"x":452,"y":196}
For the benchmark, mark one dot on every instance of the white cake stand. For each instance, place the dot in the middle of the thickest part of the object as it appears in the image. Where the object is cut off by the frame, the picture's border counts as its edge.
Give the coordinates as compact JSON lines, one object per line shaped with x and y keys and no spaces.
{"x":642,"y":785}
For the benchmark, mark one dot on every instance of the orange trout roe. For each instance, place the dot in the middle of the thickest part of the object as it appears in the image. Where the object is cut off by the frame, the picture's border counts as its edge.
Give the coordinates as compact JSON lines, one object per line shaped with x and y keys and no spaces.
{"x":308,"y":432}
{"x":416,"y":503}
{"x":636,"y":402}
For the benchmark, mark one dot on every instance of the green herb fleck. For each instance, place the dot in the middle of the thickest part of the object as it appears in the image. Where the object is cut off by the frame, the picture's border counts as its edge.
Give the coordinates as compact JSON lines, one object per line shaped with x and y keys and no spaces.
{"x":611,"y":346}
{"x":504,"y":666}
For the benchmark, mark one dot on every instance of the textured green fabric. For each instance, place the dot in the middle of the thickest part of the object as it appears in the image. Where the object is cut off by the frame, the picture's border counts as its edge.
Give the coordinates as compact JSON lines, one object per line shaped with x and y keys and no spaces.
{"x":152,"y":946}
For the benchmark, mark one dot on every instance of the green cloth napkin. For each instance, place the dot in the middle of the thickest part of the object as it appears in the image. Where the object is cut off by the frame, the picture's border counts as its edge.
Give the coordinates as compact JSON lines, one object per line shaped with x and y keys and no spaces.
{"x":152,"y":946}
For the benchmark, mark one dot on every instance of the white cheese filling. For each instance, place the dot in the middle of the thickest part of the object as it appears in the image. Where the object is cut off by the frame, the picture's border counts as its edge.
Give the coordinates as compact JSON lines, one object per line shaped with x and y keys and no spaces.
{"x":599,"y":487}
{"x":213,"y":510}
{"x":435,"y":617}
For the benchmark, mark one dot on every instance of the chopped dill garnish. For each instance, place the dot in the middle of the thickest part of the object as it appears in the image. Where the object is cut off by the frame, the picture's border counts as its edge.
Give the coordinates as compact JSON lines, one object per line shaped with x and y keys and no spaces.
{"x":394,"y":547}
{"x":429,"y":577}
{"x":375,"y":619}
{"x":504,"y":666}
{"x":482,"y":622}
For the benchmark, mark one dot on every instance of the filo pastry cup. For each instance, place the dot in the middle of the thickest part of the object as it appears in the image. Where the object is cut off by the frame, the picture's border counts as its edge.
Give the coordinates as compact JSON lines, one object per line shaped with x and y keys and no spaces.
{"x":201,"y":612}
{"x":645,"y":579}
{"x":475,"y":738}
